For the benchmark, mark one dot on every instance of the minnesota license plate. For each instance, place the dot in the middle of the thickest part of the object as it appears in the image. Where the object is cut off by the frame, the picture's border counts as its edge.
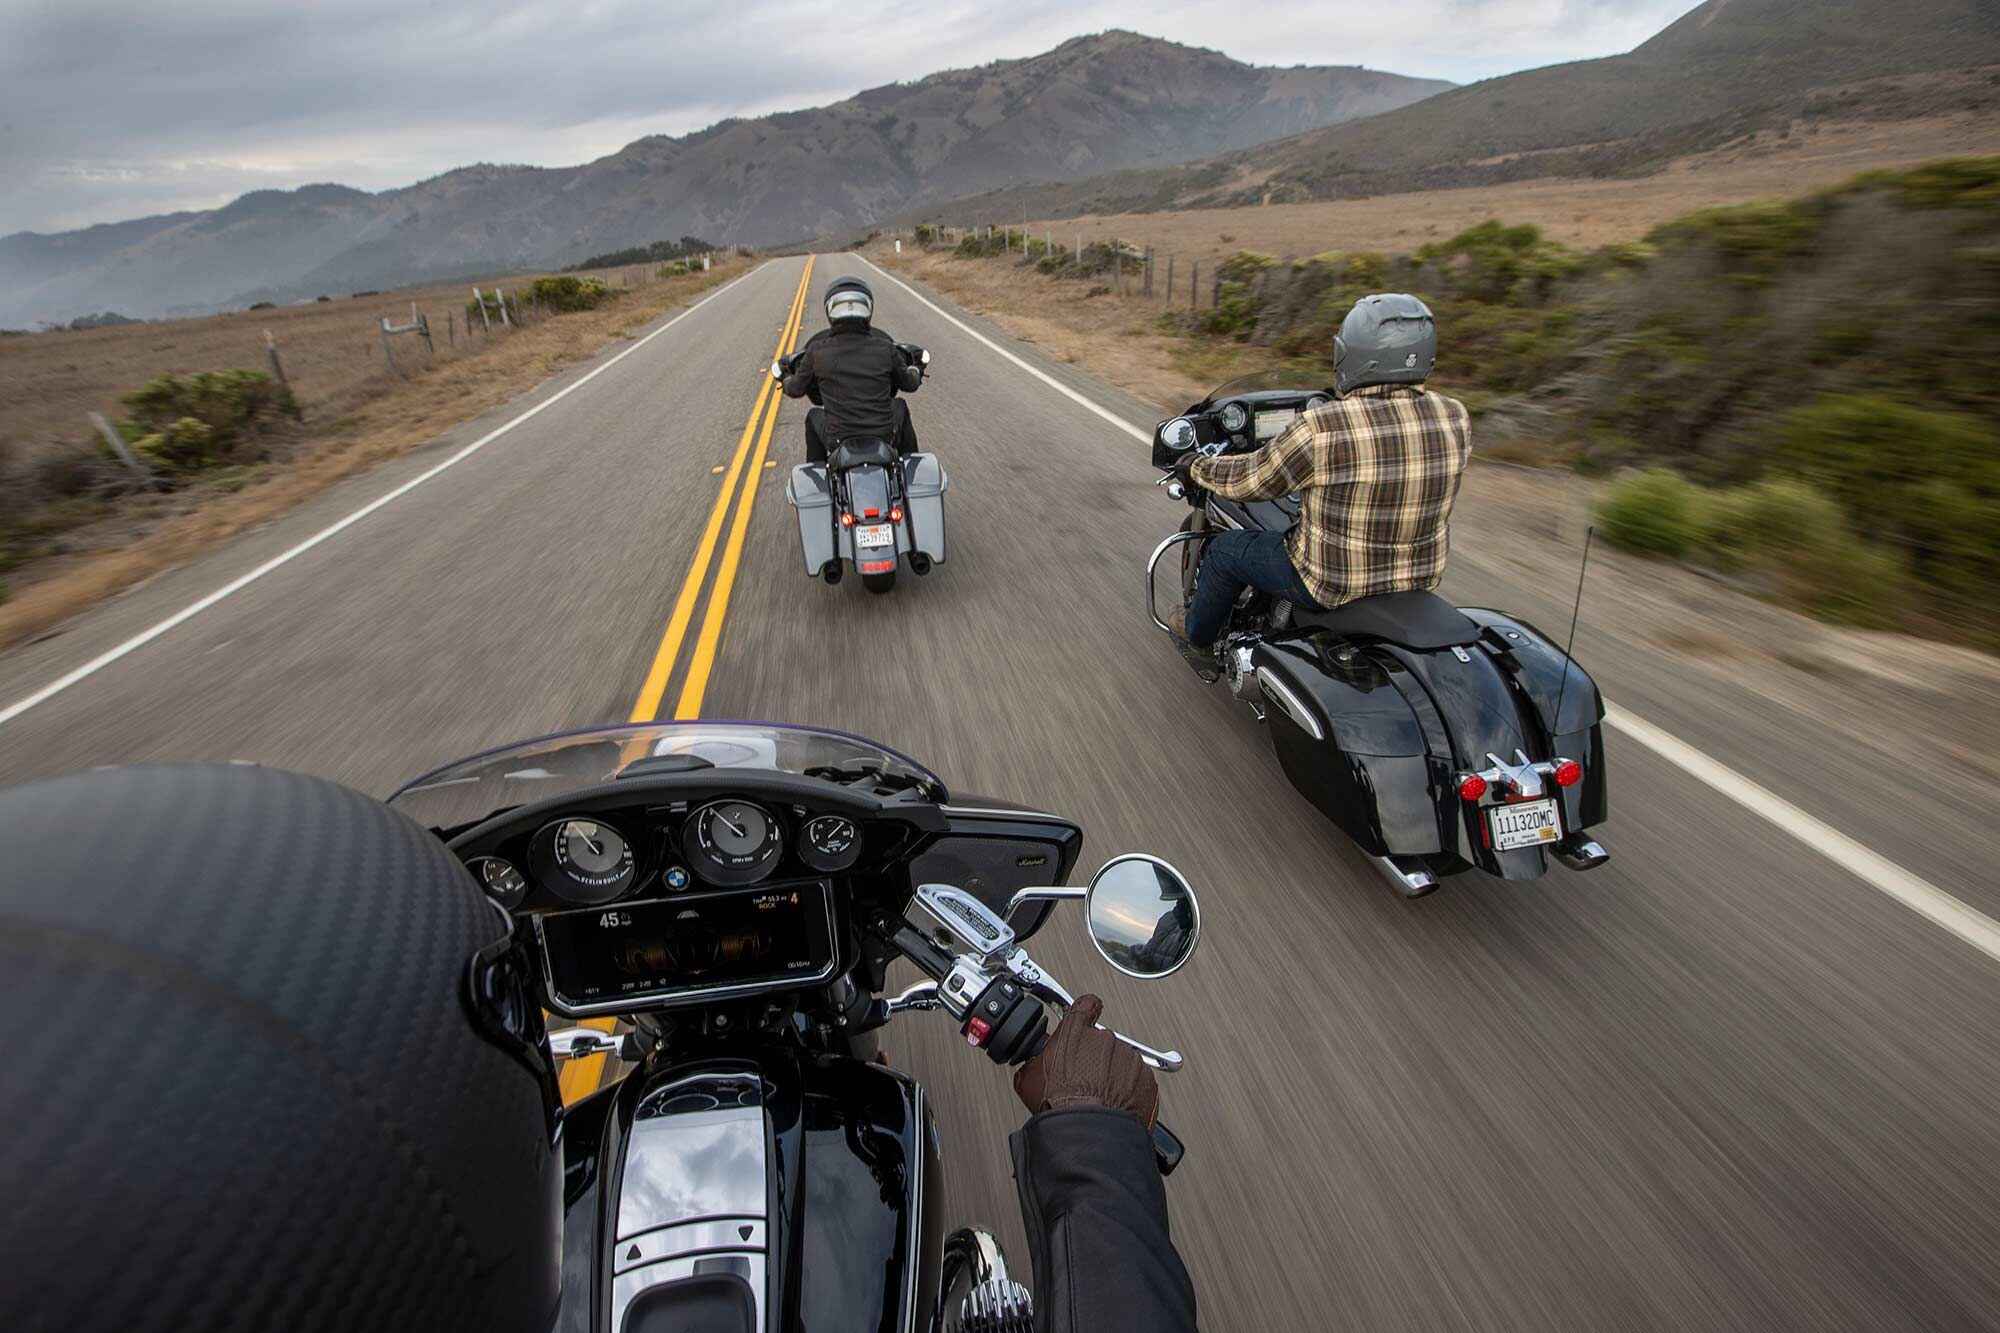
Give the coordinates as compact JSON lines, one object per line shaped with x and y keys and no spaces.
{"x":872,"y":535}
{"x":1528,"y":824}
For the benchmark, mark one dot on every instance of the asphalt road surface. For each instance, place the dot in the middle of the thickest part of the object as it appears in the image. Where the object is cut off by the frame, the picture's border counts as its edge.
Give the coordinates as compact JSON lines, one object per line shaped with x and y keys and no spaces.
{"x":1726,"y":1082}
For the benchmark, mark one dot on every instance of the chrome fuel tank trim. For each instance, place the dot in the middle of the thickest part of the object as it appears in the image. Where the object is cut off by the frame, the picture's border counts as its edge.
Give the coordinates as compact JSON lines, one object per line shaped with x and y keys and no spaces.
{"x":696,"y":1151}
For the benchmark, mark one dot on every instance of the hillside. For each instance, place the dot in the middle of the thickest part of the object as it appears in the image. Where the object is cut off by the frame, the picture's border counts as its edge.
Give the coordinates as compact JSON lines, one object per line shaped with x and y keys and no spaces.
{"x":1726,"y":68}
{"x":1107,"y":102}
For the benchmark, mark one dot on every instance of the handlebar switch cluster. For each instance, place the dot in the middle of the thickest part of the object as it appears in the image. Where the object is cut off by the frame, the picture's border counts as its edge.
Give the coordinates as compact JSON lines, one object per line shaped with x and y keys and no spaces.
{"x":1006,"y":1022}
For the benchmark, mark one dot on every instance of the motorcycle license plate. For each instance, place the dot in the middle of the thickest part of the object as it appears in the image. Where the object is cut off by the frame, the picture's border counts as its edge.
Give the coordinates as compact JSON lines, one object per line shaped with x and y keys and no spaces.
{"x":873,"y":535}
{"x":1528,"y":824}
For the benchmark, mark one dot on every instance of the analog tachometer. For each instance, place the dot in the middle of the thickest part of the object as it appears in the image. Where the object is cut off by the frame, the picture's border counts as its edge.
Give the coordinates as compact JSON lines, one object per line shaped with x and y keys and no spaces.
{"x":732,"y":842}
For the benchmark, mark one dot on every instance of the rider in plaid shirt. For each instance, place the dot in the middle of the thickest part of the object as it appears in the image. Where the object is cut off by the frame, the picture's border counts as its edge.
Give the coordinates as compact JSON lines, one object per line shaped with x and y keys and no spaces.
{"x":1377,"y":470}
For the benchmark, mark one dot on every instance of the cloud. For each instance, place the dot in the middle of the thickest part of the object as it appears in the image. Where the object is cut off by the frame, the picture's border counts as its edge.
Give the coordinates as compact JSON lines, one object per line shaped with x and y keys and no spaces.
{"x":117,"y":108}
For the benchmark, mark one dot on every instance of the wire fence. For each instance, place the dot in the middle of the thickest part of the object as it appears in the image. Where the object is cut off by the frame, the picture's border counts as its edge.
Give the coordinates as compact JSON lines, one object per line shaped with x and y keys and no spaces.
{"x":1123,"y":267}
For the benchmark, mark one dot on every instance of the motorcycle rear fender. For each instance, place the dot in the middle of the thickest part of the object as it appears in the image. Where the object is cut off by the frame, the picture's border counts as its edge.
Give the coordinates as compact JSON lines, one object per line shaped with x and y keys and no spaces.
{"x":867,"y":488}
{"x":1352,"y":745}
{"x":1535,"y":666}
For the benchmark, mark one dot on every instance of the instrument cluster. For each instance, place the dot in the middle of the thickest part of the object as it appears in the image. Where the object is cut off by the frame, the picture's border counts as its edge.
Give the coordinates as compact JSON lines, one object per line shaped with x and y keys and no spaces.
{"x":589,"y":859}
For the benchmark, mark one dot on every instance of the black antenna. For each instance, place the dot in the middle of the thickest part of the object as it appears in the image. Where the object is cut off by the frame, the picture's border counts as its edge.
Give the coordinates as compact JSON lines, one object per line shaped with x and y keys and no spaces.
{"x":1569,"y":650}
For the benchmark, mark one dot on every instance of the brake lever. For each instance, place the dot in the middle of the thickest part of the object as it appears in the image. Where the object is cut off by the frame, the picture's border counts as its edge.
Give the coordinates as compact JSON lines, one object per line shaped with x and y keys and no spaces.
{"x":1050,"y":991}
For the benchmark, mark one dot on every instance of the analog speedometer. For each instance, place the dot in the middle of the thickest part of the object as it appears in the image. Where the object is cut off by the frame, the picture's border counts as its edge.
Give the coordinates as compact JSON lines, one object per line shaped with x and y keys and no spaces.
{"x":585,"y":860}
{"x":732,"y":842}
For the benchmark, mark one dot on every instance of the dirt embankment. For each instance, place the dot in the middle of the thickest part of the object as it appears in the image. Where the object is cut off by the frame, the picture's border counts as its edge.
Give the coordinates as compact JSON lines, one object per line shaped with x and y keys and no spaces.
{"x":356,"y":415}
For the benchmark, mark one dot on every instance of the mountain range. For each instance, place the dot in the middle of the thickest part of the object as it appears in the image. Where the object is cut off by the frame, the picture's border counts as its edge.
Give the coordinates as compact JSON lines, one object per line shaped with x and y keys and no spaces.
{"x":1723,"y":68}
{"x":1116,"y":100}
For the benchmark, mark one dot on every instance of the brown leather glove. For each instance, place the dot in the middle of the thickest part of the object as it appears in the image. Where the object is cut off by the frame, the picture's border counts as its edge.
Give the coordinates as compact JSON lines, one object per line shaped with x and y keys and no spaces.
{"x":1083,"y":1065}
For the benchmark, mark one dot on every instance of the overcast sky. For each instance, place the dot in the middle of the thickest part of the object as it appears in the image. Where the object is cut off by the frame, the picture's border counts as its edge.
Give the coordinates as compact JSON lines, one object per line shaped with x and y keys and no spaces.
{"x":114,"y":109}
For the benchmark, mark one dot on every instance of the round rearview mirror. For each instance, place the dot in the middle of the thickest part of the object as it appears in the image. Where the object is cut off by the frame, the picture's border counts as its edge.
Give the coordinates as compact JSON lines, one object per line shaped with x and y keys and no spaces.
{"x":1143,"y":916}
{"x":1178,"y":435}
{"x":777,"y":370}
{"x":927,"y":356}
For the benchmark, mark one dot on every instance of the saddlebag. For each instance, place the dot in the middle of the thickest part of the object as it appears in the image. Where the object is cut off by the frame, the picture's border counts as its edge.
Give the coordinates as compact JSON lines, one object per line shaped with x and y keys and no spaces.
{"x":1352,"y":745}
{"x":811,"y":497}
{"x":923,"y":493}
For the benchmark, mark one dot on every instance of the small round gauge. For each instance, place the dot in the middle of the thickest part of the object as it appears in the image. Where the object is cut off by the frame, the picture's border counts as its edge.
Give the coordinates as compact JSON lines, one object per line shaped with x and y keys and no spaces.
{"x":1317,"y":401}
{"x":831,"y":842}
{"x":502,"y":880}
{"x":592,"y":861}
{"x":1235,"y":417}
{"x":732,"y":842}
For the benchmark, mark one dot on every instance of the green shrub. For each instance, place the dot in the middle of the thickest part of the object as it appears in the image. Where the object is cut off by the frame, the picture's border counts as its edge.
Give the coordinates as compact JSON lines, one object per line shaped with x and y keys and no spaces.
{"x":226,"y":401}
{"x":1755,"y":241}
{"x":1654,"y":512}
{"x":565,"y":291}
{"x":1495,"y":263}
{"x":187,"y":445}
{"x":1884,"y":460}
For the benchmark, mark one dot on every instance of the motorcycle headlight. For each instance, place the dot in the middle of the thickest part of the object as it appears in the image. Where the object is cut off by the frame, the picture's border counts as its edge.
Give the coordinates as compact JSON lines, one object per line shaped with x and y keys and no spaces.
{"x":1235,"y":417}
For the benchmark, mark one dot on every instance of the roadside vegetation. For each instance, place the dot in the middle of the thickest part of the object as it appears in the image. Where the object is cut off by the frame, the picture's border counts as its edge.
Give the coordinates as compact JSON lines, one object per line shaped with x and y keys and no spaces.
{"x":1802,"y":396}
{"x":213,"y":450}
{"x":659,"y":252}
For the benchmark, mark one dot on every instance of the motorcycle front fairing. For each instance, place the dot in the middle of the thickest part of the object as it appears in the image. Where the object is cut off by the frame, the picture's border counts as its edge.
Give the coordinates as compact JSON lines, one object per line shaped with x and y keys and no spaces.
{"x":763,"y":1188}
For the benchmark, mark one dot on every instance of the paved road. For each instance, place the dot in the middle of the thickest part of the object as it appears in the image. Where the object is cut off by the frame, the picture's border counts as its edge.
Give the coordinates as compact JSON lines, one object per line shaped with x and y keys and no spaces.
{"x":1722,"y":1083}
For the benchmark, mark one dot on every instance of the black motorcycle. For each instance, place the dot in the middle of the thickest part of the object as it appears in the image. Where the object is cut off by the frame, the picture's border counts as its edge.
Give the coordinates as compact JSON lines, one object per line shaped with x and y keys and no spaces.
{"x":1439,"y":738}
{"x":867,"y":506}
{"x":733,"y":895}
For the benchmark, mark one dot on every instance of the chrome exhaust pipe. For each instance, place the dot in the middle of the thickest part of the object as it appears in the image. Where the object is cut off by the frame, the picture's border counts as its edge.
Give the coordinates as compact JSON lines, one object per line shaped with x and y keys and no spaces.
{"x":1579,"y":853}
{"x":1407,"y":877}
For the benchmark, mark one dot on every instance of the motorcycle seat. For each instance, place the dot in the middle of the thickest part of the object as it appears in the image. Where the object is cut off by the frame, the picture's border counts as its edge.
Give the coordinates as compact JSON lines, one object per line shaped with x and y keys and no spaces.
{"x":1422,"y":621}
{"x":862,"y":451}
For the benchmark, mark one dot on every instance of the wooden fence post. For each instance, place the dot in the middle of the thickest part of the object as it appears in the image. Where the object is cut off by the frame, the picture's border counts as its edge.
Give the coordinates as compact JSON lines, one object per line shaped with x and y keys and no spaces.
{"x":481,"y":300}
{"x":506,"y":321}
{"x":1194,"y":284}
{"x":424,"y":327}
{"x":1170,"y":277}
{"x":271,"y":352}
{"x":387,"y":354}
{"x":451,"y":328}
{"x":1149,"y":272}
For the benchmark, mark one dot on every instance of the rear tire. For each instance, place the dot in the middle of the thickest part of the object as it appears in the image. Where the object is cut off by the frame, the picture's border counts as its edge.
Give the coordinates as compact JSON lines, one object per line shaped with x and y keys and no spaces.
{"x":879,"y":583}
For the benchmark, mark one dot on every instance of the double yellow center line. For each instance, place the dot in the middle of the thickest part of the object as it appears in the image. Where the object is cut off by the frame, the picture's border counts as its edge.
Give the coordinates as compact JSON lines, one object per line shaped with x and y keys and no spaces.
{"x":703,"y":660}
{"x":581,"y":1077}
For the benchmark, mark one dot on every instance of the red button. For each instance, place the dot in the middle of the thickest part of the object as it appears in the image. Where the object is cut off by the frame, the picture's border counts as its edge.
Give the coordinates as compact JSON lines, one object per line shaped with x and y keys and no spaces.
{"x":977,"y":1030}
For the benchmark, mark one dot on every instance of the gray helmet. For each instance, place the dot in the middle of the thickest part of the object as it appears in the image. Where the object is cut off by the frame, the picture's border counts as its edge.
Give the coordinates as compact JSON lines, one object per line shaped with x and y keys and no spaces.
{"x":1385,"y":339}
{"x":848,"y":300}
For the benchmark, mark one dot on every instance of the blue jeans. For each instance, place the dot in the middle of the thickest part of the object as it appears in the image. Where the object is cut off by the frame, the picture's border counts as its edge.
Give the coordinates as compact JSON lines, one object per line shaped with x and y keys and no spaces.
{"x":1235,"y":560}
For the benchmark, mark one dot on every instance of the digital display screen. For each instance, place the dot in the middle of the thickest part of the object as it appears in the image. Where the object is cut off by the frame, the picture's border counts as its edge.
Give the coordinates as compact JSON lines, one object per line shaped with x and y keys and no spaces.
{"x":1270,"y":425}
{"x":689,"y":948}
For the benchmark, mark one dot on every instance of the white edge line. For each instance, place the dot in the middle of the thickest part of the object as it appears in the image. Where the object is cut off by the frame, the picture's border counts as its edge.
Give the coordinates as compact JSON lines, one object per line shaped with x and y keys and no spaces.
{"x":236,"y":585}
{"x":1919,"y":895}
{"x":1915,"y":893}
{"x":1079,"y":399}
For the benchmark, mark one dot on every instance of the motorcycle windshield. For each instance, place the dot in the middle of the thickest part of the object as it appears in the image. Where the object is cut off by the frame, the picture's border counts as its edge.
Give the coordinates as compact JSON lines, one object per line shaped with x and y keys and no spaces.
{"x":1264,"y":381}
{"x":484,"y":784}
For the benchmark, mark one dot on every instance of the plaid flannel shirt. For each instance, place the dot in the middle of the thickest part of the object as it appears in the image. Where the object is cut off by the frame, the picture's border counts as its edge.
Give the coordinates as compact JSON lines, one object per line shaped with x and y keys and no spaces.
{"x":1377,"y":471}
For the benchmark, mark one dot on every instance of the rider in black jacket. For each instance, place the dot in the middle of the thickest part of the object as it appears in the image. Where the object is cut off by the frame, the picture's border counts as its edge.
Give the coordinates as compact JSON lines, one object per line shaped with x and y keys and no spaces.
{"x":853,"y":372}
{"x":277,"y":1068}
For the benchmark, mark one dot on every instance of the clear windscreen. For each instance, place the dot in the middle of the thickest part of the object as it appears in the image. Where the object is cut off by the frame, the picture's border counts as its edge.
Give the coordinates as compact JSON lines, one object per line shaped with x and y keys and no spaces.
{"x":474,"y":788}
{"x":1267,"y":381}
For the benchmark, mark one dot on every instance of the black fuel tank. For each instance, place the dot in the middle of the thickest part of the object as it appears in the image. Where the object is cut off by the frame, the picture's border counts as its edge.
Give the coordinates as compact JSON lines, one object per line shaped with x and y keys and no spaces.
{"x":792,"y":1189}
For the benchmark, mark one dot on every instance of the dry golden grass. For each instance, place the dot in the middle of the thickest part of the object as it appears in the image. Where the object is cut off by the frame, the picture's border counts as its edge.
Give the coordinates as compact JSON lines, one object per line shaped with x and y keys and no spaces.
{"x":149,"y":534}
{"x":332,"y":354}
{"x":1577,"y":212}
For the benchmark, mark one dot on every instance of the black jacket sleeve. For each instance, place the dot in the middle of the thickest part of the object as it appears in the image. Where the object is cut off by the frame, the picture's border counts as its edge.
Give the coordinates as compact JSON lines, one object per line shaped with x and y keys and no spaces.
{"x":1096,"y":1214}
{"x":804,"y":381}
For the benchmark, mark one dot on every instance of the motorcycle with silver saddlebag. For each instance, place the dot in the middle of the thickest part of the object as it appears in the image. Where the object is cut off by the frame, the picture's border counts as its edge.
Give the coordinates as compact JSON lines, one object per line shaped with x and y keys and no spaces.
{"x":733,"y":895}
{"x":1439,"y":739}
{"x":867,"y":507}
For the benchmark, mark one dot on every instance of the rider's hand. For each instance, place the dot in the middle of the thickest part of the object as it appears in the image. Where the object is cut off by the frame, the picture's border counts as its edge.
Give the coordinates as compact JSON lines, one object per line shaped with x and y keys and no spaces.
{"x":1083,"y":1065}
